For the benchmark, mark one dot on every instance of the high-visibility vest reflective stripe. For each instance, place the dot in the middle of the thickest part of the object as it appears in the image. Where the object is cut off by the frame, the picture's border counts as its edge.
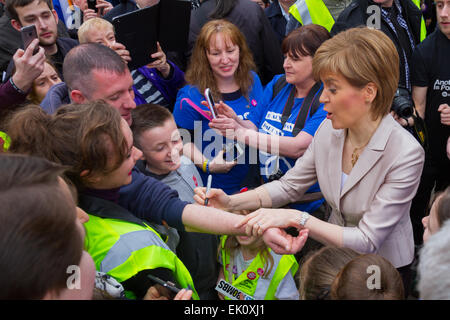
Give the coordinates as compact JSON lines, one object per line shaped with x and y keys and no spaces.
{"x":312,"y":11}
{"x":123,"y":249}
{"x":268,"y":284}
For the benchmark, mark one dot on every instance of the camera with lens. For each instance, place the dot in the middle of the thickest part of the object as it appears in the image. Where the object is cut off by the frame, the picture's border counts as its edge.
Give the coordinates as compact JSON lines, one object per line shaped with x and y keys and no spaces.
{"x":403,"y":104}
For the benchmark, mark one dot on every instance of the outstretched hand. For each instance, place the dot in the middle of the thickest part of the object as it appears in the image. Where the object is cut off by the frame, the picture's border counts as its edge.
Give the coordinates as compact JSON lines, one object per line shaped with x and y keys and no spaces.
{"x":283,"y":243}
{"x":257,"y":222}
{"x":217,"y":198}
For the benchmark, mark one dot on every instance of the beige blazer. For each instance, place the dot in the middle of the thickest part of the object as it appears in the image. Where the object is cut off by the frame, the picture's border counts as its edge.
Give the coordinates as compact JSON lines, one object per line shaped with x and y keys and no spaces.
{"x":373,"y":205}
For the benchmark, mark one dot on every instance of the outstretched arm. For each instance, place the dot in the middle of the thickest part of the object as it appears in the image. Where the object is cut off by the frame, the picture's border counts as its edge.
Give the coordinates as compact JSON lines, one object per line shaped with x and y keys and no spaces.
{"x":259,"y":221}
{"x":210,"y":220}
{"x":250,"y":200}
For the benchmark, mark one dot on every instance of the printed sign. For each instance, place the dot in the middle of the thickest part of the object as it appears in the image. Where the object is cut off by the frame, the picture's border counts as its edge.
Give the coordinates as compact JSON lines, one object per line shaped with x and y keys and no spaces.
{"x":231,"y":292}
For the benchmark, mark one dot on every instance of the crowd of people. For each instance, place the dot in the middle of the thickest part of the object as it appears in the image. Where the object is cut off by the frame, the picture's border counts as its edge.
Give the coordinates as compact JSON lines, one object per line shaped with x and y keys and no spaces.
{"x":320,"y":170}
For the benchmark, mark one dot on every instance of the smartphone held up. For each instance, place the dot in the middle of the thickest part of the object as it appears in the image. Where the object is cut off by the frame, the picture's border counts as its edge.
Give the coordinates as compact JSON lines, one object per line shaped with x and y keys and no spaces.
{"x":92,"y":5}
{"x":29,"y":33}
{"x":211,"y":103}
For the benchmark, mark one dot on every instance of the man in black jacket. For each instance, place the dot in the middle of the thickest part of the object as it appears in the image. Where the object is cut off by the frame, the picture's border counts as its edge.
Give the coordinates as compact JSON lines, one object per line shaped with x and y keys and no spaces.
{"x":399,"y":19}
{"x":431,"y":94}
{"x":278,"y":15}
{"x":44,"y":17}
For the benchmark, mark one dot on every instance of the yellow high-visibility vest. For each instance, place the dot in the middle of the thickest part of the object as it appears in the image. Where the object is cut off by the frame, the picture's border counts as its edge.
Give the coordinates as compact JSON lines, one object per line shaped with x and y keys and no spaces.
{"x":312,"y":12}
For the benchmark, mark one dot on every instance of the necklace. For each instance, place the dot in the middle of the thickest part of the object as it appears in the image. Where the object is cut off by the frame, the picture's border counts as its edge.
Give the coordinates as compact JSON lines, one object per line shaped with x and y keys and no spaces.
{"x":355,"y":154}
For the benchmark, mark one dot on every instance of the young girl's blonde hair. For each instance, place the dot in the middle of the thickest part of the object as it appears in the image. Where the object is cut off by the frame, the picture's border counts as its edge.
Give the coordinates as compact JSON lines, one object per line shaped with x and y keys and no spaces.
{"x":232,"y":244}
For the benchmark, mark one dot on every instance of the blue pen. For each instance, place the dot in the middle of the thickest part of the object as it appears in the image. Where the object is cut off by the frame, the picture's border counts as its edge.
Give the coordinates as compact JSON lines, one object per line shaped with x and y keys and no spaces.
{"x":208,"y":187}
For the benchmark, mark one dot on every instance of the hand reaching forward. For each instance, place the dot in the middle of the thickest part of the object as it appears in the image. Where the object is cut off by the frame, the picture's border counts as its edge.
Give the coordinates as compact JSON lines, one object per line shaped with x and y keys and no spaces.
{"x":262,"y":219}
{"x":283,"y":243}
{"x":217,"y":198}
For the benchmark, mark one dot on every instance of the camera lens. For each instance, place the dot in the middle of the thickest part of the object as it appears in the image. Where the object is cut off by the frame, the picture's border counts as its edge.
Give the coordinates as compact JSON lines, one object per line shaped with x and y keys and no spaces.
{"x":402,"y":104}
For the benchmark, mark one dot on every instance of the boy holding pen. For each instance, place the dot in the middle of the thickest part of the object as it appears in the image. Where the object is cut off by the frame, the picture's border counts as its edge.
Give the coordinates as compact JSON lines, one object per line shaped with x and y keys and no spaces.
{"x":208,"y":187}
{"x":156,"y":134}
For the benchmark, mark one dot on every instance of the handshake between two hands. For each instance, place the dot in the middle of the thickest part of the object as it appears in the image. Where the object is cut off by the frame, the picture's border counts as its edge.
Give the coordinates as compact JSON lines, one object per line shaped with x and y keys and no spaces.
{"x":268,"y":223}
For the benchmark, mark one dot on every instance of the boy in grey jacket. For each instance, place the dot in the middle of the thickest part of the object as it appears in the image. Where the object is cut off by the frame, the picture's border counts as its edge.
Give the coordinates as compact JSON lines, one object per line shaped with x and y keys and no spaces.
{"x":156,"y":134}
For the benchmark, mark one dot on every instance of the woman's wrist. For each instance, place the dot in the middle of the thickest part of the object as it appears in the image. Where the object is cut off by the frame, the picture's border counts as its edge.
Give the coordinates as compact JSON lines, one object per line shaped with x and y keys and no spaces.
{"x":165,"y":70}
{"x":229,"y":206}
{"x":21,"y":86}
{"x":241,"y":134}
{"x":293,"y":218}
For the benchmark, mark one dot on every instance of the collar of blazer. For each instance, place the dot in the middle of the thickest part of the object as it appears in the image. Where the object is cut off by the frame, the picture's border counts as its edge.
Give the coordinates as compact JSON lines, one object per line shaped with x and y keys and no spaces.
{"x":372,"y":152}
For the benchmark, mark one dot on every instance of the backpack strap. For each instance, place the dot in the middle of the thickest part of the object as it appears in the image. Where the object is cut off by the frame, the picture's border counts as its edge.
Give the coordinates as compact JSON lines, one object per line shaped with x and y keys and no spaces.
{"x":281,"y":82}
{"x":288,"y":107}
{"x":309,"y":106}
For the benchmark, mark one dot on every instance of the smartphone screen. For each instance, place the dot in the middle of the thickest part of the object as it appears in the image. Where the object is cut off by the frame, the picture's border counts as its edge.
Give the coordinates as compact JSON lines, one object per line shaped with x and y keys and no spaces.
{"x":92,"y":5}
{"x":29,"y":33}
{"x":210,"y":101}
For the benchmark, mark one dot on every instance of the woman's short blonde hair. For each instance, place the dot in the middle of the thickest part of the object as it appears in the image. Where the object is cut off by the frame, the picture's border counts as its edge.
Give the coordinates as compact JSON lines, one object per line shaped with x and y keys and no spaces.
{"x":92,"y":24}
{"x":362,"y":56}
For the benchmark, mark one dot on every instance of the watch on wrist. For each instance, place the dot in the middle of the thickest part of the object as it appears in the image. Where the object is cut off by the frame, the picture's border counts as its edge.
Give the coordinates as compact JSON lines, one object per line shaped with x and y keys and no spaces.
{"x":303,"y":218}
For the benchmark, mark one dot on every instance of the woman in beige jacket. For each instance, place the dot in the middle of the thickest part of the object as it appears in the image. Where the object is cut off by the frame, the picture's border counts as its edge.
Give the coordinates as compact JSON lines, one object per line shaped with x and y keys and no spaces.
{"x":368,"y":167}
